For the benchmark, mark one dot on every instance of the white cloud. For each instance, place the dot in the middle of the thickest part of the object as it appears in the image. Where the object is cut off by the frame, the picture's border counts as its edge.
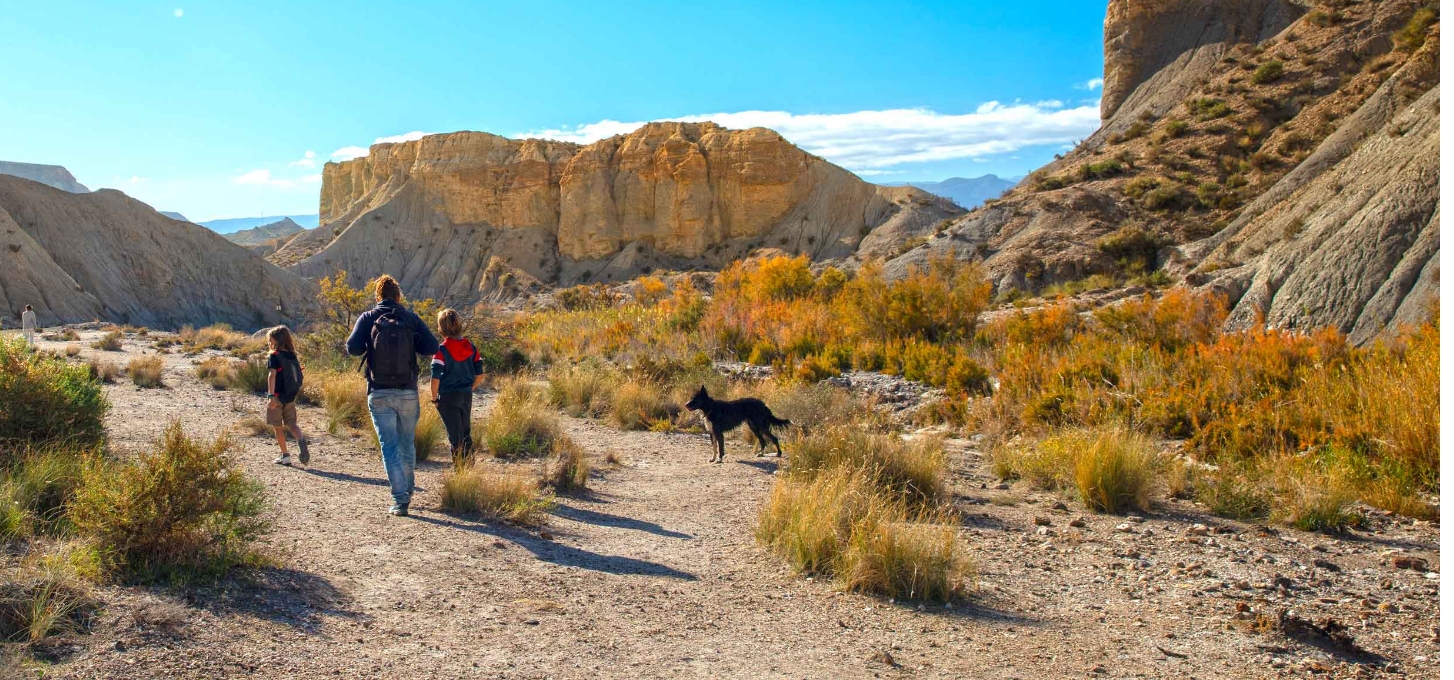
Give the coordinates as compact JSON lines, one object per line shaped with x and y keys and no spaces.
{"x":177,"y":12}
{"x":351,"y":152}
{"x":307,"y":161}
{"x":406,"y":137}
{"x":869,"y":140}
{"x":1092,"y":84}
{"x":265,"y":177}
{"x":138,"y":180}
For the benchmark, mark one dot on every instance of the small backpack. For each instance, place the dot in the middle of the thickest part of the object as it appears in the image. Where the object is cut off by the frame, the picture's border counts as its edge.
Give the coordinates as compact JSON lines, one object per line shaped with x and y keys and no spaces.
{"x":391,"y":360}
{"x":290,"y":377}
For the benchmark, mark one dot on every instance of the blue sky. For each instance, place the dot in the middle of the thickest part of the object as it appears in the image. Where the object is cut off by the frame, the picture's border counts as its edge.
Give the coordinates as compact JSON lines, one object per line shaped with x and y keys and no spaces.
{"x":225,"y":109}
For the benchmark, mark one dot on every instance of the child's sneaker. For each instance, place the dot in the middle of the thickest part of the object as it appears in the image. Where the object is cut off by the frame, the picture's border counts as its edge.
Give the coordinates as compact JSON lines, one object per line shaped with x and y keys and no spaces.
{"x":283,"y":460}
{"x":303,"y":451}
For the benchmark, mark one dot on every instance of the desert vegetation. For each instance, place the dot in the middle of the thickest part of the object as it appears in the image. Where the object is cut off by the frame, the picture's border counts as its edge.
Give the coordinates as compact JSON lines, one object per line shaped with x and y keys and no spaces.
{"x":73,"y":516}
{"x":1104,"y":405}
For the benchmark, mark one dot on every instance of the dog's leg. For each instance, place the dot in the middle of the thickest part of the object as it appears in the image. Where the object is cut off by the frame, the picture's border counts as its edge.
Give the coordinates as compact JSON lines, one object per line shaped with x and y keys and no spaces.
{"x":721,"y":446}
{"x":761,"y":441}
{"x":776,"y":443}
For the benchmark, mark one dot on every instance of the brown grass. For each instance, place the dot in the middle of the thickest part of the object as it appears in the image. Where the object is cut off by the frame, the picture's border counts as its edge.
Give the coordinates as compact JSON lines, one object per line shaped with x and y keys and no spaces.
{"x":521,"y":422}
{"x":508,"y":493}
{"x":568,"y":469}
{"x":146,"y":371}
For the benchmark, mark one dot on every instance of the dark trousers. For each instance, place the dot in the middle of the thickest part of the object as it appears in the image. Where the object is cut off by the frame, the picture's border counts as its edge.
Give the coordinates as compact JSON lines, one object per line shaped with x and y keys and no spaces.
{"x":454,"y":410}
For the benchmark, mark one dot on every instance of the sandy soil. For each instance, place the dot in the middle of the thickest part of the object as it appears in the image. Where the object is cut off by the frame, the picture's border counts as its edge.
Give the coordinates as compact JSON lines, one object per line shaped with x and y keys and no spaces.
{"x":655,"y":573}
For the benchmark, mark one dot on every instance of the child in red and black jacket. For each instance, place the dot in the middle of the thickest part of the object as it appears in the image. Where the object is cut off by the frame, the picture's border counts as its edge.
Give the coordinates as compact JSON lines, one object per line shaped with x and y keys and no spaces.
{"x":455,"y":373}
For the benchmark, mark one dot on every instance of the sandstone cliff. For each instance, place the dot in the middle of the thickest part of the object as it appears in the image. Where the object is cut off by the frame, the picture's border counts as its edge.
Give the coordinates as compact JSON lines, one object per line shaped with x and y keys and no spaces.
{"x":437,"y":211}
{"x":104,"y":255}
{"x":50,"y":175}
{"x":1282,"y":154}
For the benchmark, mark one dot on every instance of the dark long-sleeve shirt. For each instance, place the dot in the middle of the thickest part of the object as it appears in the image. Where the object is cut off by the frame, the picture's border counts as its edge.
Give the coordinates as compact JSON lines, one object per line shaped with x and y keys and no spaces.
{"x":360,"y":342}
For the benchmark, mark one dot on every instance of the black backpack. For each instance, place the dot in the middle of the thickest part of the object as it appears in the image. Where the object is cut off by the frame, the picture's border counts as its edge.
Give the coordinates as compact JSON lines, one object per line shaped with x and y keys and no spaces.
{"x":391,"y":359}
{"x":290,"y":377}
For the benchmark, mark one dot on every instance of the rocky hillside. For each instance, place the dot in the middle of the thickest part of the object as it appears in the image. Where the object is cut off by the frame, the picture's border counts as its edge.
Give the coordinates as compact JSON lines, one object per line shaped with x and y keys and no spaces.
{"x":50,"y":175}
{"x":1283,"y":153}
{"x":437,"y":211}
{"x":104,"y":255}
{"x":262,"y":234}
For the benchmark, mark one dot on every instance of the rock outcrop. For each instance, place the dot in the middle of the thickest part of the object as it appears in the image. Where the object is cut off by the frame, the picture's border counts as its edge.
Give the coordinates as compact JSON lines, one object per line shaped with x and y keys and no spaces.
{"x":49,"y":175}
{"x":437,"y":211}
{"x":104,"y":255}
{"x":1285,"y":159}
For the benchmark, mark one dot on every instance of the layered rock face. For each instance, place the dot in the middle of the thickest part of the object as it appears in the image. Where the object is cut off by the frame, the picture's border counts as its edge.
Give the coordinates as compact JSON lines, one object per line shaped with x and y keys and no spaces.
{"x":1179,"y":40}
{"x":437,"y":211}
{"x":49,"y":175}
{"x":104,"y":255}
{"x":1285,"y":160}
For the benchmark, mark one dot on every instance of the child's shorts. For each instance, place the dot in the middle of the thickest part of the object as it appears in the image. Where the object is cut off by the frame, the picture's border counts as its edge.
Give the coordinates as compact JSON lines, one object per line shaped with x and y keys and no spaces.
{"x":286,"y":414}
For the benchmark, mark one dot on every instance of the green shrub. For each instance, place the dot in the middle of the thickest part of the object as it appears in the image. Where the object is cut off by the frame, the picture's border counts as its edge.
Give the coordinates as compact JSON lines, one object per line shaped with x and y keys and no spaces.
{"x":250,"y":375}
{"x":1100,"y":170}
{"x":1412,"y":36}
{"x":1267,"y":72}
{"x":1208,"y":109}
{"x":36,"y":486}
{"x":45,"y":399}
{"x":181,"y":511}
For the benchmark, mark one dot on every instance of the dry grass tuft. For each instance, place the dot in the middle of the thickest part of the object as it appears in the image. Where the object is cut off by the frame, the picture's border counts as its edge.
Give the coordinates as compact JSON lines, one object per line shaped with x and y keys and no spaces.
{"x":641,"y":404}
{"x":841,"y":523}
{"x":568,"y":470}
{"x":508,"y":493}
{"x":521,"y":422}
{"x":428,"y":433}
{"x":110,"y":342}
{"x":586,"y":389}
{"x":146,"y":371}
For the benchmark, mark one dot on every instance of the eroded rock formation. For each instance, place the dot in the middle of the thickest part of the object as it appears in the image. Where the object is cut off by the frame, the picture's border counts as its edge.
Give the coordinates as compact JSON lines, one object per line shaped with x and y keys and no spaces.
{"x":437,"y":211}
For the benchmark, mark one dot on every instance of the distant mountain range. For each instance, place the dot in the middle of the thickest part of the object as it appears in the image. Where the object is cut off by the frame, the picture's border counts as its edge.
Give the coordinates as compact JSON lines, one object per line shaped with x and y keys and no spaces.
{"x":232,"y":224}
{"x":49,"y":175}
{"x":969,"y":193}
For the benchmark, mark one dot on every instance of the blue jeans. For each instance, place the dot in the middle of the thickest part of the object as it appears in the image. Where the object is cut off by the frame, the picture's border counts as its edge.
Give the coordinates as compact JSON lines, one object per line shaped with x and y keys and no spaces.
{"x":395,"y":413}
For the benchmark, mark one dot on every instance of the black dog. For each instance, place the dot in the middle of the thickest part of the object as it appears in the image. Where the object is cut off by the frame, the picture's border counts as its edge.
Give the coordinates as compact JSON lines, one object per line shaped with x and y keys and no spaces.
{"x":725,"y":416}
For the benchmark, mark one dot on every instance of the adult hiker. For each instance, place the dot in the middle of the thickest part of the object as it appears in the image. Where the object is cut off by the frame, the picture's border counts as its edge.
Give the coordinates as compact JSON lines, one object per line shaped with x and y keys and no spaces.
{"x":388,"y":337}
{"x":27,"y":325}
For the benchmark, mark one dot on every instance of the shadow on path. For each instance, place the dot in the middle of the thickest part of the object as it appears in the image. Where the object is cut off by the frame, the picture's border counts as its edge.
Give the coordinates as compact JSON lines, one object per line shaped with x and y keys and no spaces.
{"x":764,"y":464}
{"x":564,"y":555}
{"x":608,"y":520}
{"x":345,"y":477}
{"x":287,"y":596}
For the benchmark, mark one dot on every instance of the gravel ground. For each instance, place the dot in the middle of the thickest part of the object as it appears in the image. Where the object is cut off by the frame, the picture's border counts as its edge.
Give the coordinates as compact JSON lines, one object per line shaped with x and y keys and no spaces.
{"x":655,"y":573}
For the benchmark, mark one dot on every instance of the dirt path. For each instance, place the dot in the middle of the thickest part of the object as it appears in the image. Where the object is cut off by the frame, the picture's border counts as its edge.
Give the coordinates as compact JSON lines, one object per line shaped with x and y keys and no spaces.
{"x":655,"y":574}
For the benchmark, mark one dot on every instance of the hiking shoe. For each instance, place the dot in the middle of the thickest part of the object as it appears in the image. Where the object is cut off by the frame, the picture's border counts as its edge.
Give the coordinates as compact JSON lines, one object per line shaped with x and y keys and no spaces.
{"x":399,"y":511}
{"x":303,"y":451}
{"x":283,"y":460}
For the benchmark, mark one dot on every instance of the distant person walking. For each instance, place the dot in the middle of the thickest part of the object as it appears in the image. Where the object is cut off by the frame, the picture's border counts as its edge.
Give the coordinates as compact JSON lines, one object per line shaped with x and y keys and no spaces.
{"x":285,"y":380}
{"x":27,"y":325}
{"x":455,"y":374}
{"x":388,"y":337}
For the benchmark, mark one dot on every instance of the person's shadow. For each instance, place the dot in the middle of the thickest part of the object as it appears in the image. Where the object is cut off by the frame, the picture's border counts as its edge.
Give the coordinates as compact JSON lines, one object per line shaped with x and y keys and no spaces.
{"x":564,"y":555}
{"x":608,"y":520}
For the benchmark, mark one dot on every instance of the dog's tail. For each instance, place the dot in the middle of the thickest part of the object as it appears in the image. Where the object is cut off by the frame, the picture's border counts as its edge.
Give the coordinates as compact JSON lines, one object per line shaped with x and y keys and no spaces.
{"x":775,"y":421}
